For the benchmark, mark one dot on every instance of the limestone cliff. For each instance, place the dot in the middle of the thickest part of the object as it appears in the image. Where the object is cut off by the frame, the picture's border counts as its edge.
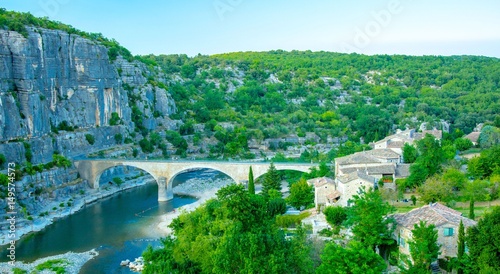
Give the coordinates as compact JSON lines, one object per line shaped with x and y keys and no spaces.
{"x":53,"y":78}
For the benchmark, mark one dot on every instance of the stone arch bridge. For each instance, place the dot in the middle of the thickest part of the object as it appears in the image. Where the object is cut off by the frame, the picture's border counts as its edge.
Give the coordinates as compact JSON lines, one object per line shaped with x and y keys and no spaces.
{"x":164,"y":171}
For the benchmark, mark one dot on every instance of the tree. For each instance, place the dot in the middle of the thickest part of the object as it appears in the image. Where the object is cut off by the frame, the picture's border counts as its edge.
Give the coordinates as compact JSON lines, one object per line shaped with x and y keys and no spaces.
{"x":476,"y":190}
{"x":461,"y":246}
{"x":409,"y":153}
{"x":413,"y":199}
{"x":454,"y":177}
{"x":431,"y":154}
{"x":486,"y":164}
{"x":251,"y":183}
{"x":418,"y":175}
{"x":489,"y":136}
{"x":483,"y":241}
{"x":424,"y":248}
{"x":271,"y":180}
{"x":369,"y":221}
{"x":463,"y":144}
{"x":434,"y":190}
{"x":335,"y":215}
{"x":301,"y":194}
{"x":355,"y":258}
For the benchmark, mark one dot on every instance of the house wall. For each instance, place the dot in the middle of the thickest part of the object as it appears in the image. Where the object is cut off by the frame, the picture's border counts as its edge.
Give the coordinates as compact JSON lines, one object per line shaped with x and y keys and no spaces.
{"x":402,"y":235}
{"x":449,"y":244}
{"x":321,"y":192}
{"x":351,"y":188}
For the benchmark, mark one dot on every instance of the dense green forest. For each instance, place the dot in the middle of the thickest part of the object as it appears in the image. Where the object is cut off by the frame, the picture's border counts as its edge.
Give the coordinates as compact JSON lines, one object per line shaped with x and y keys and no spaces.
{"x":276,"y":94}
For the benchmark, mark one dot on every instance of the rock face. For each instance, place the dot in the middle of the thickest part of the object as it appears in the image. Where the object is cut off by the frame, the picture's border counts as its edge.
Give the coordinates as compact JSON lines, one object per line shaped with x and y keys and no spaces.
{"x":53,"y":78}
{"x":58,"y":93}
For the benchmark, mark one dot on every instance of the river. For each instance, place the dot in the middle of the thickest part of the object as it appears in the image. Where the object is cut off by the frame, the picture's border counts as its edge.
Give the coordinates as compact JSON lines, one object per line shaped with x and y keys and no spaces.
{"x":119,"y":227}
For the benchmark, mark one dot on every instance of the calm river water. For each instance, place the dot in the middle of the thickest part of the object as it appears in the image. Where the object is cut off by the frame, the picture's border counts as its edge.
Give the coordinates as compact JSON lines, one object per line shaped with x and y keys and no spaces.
{"x":119,"y":227}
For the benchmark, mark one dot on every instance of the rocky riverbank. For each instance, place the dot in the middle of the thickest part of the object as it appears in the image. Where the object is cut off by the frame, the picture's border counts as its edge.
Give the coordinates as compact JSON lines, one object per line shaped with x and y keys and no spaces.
{"x":200,"y":188}
{"x":71,"y":262}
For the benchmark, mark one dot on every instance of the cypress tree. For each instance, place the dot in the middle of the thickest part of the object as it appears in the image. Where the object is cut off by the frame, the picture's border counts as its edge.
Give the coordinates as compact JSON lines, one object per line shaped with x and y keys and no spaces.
{"x":251,"y":184}
{"x":471,"y":209}
{"x":461,"y":246}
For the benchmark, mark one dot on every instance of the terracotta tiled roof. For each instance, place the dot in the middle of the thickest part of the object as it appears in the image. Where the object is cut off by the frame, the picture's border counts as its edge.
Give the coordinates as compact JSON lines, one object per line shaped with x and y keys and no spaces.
{"x":436,"y":214}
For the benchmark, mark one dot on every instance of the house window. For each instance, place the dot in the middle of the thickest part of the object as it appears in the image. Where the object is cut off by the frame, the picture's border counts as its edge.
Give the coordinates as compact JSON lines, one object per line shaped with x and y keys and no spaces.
{"x":402,"y":242}
{"x":448,"y":231}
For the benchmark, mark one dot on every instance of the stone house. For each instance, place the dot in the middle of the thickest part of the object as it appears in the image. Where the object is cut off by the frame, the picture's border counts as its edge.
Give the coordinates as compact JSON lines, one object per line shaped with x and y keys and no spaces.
{"x":325,"y":191}
{"x":377,"y":163}
{"x":445,"y":219}
{"x":396,"y":141}
{"x":473,"y":137}
{"x":350,"y":184}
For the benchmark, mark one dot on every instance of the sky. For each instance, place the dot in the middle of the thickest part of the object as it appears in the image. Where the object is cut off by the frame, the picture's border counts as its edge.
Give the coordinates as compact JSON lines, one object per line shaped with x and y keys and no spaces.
{"x":411,"y":27}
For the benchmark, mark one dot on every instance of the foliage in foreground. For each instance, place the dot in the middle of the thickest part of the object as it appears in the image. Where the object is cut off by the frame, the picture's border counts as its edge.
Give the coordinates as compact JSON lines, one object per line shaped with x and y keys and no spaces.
{"x":352,"y":259}
{"x":367,"y":217}
{"x":233,"y":233}
{"x":483,"y":242}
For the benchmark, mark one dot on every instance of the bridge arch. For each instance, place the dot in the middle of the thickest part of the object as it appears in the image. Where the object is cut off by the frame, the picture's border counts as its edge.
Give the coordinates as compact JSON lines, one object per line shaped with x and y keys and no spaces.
{"x":191,"y":169}
{"x":101,"y":172}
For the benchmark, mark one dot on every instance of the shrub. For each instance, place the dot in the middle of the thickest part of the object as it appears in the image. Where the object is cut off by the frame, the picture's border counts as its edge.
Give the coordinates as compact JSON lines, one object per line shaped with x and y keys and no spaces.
{"x":118,"y":181}
{"x":2,"y":160}
{"x":90,"y":138}
{"x":27,"y":152}
{"x":114,"y":120}
{"x":335,"y":215}
{"x":118,"y":138}
{"x":291,"y":220}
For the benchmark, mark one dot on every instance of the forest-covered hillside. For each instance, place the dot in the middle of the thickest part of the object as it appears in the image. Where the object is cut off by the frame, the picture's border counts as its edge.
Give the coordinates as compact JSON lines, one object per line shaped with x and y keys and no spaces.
{"x":277,"y":94}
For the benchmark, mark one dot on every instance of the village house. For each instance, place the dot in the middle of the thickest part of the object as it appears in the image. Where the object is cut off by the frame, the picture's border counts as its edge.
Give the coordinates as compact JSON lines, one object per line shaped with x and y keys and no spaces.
{"x":473,"y":137}
{"x":377,"y":163}
{"x":325,"y":191}
{"x":350,"y":184}
{"x":396,"y":141}
{"x":445,"y":219}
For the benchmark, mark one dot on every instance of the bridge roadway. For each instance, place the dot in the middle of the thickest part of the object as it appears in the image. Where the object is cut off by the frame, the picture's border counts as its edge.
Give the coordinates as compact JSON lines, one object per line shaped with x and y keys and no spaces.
{"x":164,"y":171}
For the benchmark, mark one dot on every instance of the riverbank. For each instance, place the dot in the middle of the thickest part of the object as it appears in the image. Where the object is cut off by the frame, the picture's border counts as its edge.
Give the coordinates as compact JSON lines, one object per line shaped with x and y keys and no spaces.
{"x":201,"y":189}
{"x":58,"y":209}
{"x":71,"y":262}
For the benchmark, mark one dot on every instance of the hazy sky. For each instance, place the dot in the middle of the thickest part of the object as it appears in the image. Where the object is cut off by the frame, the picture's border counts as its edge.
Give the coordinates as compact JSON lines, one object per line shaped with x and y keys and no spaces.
{"x":414,"y":27}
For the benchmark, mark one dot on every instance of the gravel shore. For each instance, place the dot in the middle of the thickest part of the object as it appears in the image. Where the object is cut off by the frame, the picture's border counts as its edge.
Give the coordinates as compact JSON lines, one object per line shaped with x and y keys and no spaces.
{"x":75,"y":261}
{"x":200,"y":188}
